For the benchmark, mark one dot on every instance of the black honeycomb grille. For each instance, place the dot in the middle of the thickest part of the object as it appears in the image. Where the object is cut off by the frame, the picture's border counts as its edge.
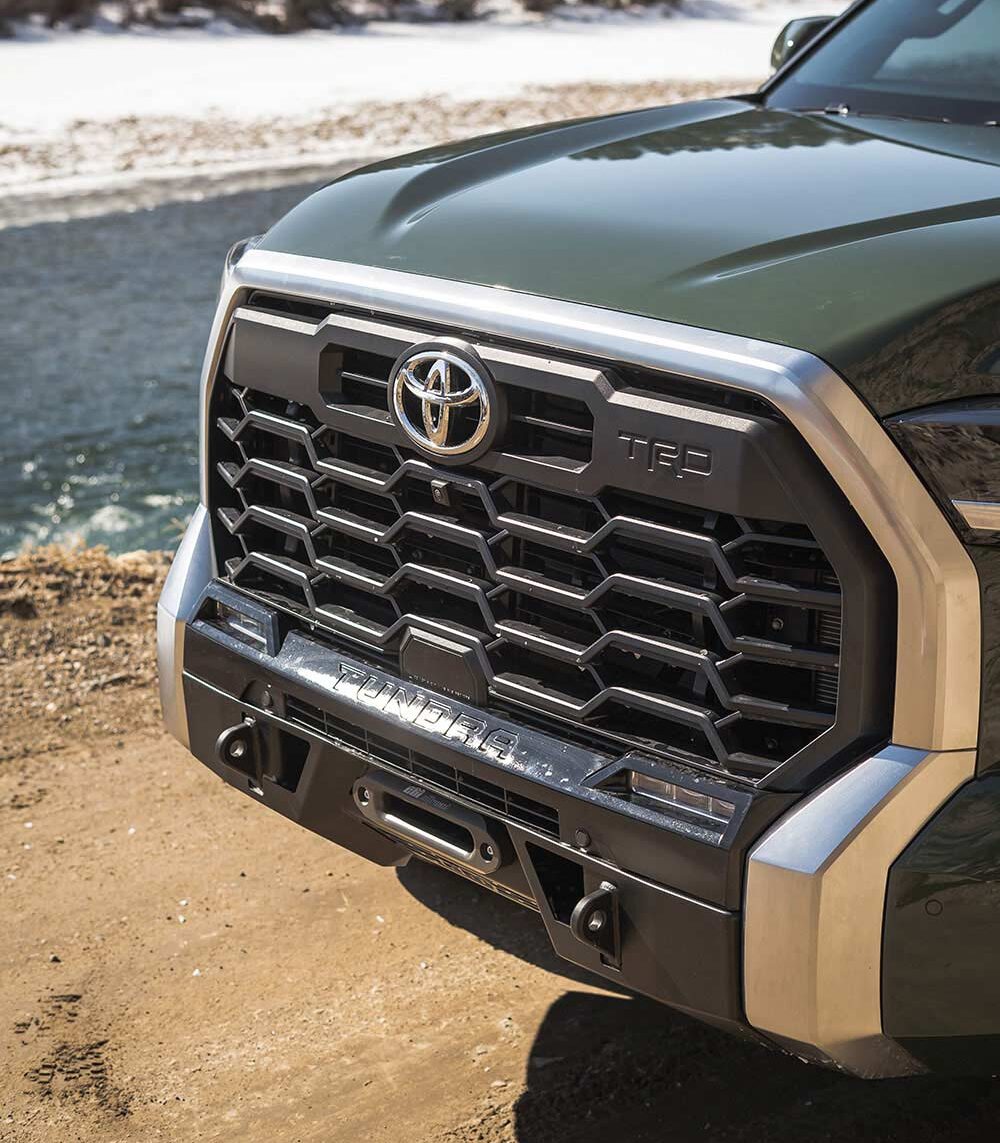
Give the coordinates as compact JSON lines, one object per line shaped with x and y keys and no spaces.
{"x":644,"y":623}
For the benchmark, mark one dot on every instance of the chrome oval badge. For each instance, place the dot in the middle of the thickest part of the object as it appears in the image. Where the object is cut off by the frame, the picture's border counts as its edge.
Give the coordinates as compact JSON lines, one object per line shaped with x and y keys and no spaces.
{"x":444,"y":400}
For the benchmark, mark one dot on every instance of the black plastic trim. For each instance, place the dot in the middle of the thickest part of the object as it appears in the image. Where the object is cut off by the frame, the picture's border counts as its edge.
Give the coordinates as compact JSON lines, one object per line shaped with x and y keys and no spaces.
{"x":487,"y":746}
{"x":764,"y":469}
{"x":667,"y":943}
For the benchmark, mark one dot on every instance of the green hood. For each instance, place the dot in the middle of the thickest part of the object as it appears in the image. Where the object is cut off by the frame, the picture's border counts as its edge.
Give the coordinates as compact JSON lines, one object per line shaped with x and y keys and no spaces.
{"x":862,"y":241}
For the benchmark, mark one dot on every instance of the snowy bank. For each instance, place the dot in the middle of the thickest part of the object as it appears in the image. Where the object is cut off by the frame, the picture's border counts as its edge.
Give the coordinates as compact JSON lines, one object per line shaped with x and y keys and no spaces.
{"x":80,"y":110}
{"x":52,"y":81}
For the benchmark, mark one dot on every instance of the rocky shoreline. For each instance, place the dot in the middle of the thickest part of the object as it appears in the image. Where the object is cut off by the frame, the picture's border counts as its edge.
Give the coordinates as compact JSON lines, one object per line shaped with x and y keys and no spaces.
{"x":74,"y":624}
{"x":120,"y":164}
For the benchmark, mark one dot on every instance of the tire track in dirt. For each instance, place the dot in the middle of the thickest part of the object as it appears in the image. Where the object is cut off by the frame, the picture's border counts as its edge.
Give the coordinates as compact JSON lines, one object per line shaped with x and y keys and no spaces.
{"x":67,"y":1063}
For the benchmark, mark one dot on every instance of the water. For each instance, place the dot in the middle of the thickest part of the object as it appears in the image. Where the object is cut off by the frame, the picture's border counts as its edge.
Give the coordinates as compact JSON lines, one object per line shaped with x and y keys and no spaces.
{"x":103,"y":323}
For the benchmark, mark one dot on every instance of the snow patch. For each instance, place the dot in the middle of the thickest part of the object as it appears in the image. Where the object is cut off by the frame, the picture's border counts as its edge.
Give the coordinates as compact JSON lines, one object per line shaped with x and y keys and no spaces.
{"x":108,"y":119}
{"x":59,"y":80}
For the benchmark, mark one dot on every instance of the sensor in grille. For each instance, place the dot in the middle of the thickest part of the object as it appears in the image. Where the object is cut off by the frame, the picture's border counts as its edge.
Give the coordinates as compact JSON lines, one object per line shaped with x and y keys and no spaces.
{"x":829,"y":631}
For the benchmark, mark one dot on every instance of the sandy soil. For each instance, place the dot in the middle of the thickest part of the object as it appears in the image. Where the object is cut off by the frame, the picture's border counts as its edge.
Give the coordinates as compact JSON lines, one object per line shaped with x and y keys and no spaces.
{"x":178,"y":964}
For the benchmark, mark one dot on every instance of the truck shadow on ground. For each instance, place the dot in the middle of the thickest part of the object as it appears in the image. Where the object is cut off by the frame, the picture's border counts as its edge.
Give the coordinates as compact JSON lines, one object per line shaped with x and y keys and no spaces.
{"x":626,"y":1065}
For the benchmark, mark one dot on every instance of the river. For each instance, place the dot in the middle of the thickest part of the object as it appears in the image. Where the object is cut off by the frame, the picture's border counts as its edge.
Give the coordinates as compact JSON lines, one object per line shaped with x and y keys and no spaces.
{"x":104,"y":326}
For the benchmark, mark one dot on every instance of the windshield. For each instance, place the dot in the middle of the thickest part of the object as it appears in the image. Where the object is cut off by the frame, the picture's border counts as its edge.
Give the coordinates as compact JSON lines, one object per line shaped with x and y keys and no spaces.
{"x":920,"y":59}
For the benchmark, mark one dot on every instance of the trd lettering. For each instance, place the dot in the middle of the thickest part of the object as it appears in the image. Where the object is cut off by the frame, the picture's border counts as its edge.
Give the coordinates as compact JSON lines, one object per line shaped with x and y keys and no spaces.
{"x":659,"y":455}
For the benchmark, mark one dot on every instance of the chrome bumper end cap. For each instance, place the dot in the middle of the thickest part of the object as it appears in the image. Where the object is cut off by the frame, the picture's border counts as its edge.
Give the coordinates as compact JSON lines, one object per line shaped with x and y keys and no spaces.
{"x":192,"y":569}
{"x":815,"y":908}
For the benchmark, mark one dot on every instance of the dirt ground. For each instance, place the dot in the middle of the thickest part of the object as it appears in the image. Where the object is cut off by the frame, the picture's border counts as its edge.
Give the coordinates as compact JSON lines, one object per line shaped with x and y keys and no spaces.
{"x":176,"y":963}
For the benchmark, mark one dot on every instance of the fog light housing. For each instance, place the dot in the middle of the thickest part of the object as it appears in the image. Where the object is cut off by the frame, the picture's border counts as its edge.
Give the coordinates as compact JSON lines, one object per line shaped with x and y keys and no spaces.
{"x":247,"y":628}
{"x":713,"y":811}
{"x":246,"y":620}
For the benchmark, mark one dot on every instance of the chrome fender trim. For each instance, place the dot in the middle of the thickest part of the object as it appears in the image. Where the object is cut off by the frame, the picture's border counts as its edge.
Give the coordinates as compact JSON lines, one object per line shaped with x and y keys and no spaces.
{"x":815,"y":902}
{"x":980,"y":515}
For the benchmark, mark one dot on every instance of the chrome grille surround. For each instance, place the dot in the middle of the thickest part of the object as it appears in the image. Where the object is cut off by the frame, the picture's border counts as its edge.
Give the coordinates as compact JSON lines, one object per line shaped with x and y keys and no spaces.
{"x":938,"y":638}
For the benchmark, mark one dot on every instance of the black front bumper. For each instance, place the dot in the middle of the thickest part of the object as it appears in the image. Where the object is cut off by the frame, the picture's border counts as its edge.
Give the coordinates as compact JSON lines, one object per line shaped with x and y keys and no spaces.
{"x":390,"y":769}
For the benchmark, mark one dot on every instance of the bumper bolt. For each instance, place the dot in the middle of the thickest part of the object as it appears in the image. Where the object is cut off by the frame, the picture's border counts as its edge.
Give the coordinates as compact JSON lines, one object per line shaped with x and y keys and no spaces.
{"x":364,"y":797}
{"x":596,"y":921}
{"x":487,"y":851}
{"x":582,"y":839}
{"x":237,"y":749}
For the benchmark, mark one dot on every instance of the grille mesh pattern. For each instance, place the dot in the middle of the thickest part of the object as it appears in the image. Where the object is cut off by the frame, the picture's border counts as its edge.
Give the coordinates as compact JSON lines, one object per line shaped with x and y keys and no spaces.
{"x":651,"y":624}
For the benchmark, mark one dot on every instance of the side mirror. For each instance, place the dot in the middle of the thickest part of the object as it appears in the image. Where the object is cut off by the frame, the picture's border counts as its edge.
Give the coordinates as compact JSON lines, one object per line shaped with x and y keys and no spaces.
{"x":794,"y":37}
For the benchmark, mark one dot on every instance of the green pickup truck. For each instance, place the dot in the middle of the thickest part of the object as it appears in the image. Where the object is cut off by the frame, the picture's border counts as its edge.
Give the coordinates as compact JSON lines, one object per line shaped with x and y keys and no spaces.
{"x":609,"y":512}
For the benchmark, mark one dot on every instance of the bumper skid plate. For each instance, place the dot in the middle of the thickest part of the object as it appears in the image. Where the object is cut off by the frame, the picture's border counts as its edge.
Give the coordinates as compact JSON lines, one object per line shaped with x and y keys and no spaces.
{"x":563,"y":859}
